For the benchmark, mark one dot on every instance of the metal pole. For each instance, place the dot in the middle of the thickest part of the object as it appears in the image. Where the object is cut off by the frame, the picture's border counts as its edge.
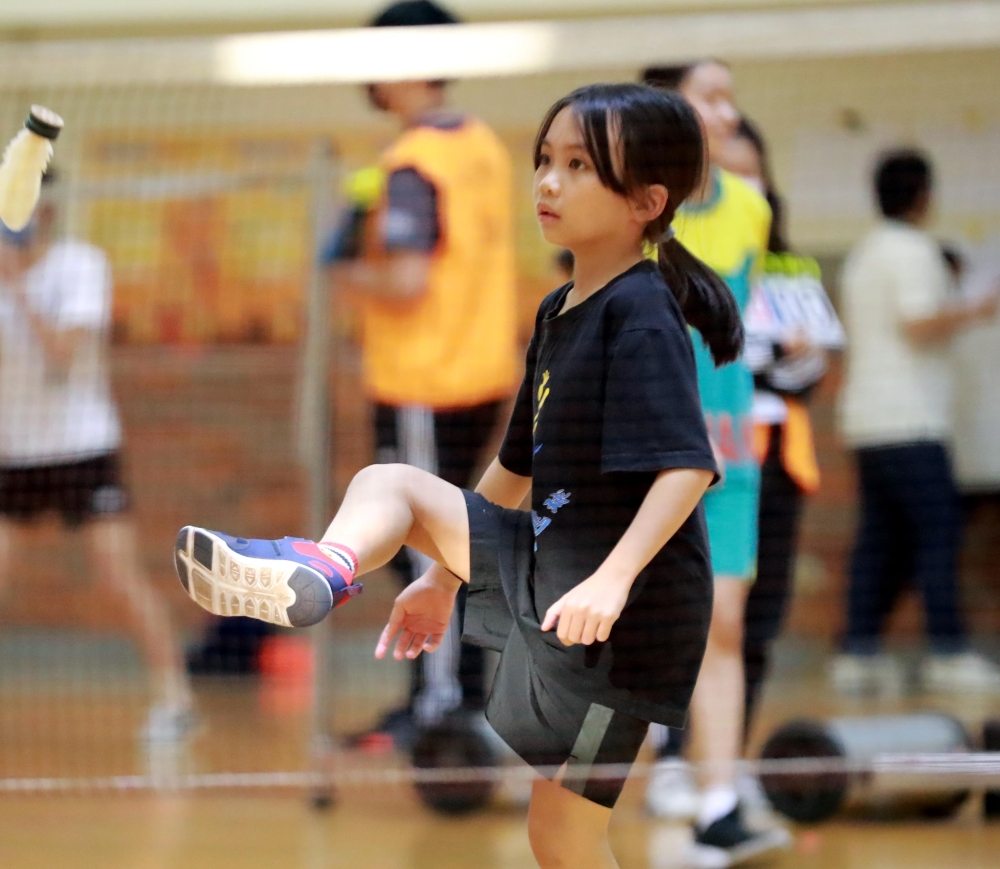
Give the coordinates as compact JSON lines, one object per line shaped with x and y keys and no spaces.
{"x":315,"y":439}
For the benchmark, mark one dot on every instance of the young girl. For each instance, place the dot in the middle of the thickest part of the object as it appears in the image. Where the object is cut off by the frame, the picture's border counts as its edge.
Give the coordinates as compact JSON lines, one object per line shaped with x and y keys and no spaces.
{"x":600,"y":598}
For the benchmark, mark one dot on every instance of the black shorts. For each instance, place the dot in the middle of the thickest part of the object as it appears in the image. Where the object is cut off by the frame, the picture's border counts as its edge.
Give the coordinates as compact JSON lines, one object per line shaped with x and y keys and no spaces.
{"x":546,"y":725}
{"x":78,"y":491}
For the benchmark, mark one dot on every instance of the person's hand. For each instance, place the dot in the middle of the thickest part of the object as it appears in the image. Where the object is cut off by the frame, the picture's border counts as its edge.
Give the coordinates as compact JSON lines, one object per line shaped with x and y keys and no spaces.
{"x":420,"y":615}
{"x":588,"y":612}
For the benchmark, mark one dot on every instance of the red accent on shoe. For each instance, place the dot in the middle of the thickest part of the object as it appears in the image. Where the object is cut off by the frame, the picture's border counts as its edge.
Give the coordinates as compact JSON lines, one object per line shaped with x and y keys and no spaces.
{"x":323,"y":567}
{"x":311,"y":550}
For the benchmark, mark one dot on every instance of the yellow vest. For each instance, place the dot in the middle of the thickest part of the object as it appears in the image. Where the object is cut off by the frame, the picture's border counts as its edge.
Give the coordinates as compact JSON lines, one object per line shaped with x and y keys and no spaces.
{"x":456,"y":345}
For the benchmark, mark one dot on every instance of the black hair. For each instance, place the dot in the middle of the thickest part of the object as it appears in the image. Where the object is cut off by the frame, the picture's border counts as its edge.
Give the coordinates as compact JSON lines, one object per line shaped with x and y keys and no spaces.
{"x":776,"y":240}
{"x":413,"y":13}
{"x":658,"y":138}
{"x":672,"y":78}
{"x":410,"y":13}
{"x":901,"y":179}
{"x":669,"y":78}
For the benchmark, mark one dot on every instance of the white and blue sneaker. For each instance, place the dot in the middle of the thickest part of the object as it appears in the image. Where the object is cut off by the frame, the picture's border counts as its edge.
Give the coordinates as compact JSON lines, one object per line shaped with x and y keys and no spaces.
{"x":291,"y":582}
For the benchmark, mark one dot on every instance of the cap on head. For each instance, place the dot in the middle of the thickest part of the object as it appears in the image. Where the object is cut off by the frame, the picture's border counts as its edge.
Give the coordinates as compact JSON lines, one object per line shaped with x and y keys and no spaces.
{"x":413,"y":13}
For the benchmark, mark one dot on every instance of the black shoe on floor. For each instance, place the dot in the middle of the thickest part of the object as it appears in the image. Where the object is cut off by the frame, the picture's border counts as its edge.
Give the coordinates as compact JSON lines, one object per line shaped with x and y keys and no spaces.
{"x":728,"y":842}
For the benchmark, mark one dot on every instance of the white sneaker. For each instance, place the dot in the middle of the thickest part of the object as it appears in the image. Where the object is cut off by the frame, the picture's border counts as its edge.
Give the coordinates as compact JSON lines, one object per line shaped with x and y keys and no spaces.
{"x":867,"y":674}
{"x":167,"y":724}
{"x":968,"y":672}
{"x":672,"y":794}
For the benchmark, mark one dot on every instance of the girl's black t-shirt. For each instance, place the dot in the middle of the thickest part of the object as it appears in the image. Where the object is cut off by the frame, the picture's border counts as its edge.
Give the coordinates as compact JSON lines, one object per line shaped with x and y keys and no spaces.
{"x":609,"y":399}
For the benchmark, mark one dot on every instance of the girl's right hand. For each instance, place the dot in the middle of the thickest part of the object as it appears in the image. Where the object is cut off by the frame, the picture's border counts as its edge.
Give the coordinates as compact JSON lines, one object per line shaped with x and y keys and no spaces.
{"x":421,"y":615}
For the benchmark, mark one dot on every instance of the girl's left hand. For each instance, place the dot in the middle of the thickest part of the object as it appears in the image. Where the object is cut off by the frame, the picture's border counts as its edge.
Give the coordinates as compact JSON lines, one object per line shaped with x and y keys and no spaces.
{"x":587,"y":612}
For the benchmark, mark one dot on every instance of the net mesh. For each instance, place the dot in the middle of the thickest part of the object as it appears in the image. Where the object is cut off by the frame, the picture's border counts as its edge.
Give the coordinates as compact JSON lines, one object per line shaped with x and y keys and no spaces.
{"x":238,"y":385}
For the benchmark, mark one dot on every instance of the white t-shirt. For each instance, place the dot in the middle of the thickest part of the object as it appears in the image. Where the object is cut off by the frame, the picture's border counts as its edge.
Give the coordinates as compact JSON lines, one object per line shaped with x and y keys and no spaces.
{"x":895,"y":391}
{"x":47,"y":416}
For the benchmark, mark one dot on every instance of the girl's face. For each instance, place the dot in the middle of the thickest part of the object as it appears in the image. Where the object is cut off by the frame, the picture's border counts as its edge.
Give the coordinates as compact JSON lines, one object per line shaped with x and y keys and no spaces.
{"x":741,"y":158}
{"x":709,"y":89}
{"x":573,"y":207}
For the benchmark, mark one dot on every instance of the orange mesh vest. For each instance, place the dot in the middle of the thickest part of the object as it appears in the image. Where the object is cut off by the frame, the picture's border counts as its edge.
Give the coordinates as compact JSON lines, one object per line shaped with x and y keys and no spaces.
{"x":456,"y":345}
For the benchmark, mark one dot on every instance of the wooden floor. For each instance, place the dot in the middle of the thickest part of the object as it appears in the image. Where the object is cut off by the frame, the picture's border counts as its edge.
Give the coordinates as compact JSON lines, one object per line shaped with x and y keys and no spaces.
{"x":268,"y":832}
{"x":73,"y":713}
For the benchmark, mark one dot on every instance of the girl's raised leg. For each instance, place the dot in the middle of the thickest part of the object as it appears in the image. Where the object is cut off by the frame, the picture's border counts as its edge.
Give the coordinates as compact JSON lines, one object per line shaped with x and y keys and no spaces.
{"x":387,"y":507}
{"x":296,"y":582}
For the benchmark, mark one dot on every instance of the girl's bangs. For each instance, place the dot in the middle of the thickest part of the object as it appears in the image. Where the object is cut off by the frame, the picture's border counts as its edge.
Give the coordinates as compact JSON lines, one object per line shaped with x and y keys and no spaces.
{"x":593,"y":118}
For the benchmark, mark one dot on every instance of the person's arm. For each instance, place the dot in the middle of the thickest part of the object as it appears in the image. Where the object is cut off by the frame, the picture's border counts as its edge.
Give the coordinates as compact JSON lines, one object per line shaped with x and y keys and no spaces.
{"x":58,"y":345}
{"x":921,"y":284}
{"x":949,"y":320}
{"x":503,"y":487}
{"x":588,"y":612}
{"x":399,"y":277}
{"x":409,"y":231}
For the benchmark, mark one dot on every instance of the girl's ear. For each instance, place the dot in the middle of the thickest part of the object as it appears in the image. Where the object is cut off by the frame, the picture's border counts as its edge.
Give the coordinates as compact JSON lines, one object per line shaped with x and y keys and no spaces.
{"x":650,"y":204}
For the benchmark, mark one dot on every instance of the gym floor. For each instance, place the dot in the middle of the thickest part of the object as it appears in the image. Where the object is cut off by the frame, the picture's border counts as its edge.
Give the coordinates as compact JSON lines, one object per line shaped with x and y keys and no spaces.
{"x":69,"y":721}
{"x":391,"y":831}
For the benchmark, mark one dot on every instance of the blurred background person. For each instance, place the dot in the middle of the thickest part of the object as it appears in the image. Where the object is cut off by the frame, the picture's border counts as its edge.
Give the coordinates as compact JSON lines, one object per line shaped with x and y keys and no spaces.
{"x":436,"y":287}
{"x":787,"y":365}
{"x":61,"y":438}
{"x":900,"y":315}
{"x":727,"y":227}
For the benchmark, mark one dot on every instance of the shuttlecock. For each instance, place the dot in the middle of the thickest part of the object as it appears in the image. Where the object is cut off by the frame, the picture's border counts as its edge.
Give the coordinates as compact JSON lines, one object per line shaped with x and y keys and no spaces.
{"x":24,"y":162}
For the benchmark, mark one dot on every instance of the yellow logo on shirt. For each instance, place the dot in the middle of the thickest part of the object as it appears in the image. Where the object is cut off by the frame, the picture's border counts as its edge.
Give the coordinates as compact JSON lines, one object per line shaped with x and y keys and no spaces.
{"x":543,"y":394}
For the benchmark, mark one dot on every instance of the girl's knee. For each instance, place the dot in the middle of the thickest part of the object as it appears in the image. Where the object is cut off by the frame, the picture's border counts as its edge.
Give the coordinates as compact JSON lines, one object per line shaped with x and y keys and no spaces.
{"x":385,"y":478}
{"x":728,"y":611}
{"x":554,"y":845}
{"x":564,"y":829}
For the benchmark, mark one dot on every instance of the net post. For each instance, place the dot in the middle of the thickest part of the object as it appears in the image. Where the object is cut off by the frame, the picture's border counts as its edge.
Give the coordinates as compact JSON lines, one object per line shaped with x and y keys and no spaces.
{"x":314,"y":445}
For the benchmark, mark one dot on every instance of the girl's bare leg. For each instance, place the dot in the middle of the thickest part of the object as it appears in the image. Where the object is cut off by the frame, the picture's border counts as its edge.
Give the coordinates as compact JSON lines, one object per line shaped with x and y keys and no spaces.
{"x":113,"y":546}
{"x":567,"y":831}
{"x":717,"y":703}
{"x":387,"y":507}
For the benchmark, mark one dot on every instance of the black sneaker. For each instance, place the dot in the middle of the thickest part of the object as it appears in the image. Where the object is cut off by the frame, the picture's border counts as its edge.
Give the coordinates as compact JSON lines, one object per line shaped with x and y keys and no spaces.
{"x":727,"y":842}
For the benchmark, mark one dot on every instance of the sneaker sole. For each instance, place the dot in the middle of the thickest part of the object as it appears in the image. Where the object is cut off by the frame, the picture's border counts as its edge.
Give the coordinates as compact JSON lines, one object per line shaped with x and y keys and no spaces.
{"x":712,"y":857}
{"x":228,"y":584}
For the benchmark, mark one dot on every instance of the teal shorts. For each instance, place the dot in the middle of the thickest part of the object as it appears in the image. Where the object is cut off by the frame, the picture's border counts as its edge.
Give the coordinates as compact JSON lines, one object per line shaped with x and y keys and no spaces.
{"x":731,"y":515}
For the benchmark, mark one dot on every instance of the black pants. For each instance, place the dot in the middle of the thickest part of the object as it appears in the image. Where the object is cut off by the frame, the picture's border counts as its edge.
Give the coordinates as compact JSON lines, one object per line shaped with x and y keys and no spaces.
{"x":780,"y":514}
{"x":449,"y":444}
{"x":910,"y":522}
{"x":781,"y":502}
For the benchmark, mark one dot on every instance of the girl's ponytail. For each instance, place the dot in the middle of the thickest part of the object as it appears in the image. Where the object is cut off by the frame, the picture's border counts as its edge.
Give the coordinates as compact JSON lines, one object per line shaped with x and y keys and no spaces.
{"x":706,"y":301}
{"x":658,"y":140}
